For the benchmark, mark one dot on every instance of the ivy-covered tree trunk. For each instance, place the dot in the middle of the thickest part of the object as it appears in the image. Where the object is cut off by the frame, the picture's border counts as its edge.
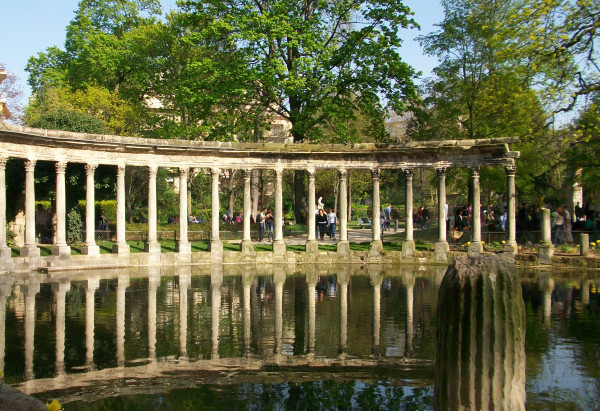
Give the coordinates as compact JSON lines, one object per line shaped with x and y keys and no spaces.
{"x":300,"y":205}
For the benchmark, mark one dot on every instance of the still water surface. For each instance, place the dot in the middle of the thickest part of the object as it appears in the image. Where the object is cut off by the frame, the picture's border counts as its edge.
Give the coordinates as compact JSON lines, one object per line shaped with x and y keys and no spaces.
{"x":329,"y":338}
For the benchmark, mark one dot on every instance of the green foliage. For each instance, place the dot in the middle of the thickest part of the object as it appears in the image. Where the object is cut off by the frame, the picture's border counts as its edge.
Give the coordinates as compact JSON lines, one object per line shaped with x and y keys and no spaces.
{"x":69,"y":120}
{"x":305,"y":62}
{"x":107,"y":208}
{"x":74,"y":227}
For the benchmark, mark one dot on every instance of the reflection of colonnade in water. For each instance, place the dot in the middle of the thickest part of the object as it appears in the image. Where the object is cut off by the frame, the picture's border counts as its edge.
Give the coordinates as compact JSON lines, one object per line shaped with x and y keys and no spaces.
{"x":216,"y":157}
{"x":61,"y":286}
{"x":248,"y":312}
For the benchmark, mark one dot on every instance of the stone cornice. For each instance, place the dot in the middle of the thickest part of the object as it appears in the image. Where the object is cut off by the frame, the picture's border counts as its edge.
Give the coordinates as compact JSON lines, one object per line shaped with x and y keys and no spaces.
{"x":17,"y":141}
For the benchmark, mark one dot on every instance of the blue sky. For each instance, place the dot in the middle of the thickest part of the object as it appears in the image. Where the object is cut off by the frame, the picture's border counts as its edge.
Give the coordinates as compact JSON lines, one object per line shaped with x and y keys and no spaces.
{"x":30,"y":26}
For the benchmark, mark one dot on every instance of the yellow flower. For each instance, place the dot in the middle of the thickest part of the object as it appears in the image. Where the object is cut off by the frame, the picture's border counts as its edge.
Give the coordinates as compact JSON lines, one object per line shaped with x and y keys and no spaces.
{"x":503,"y":242}
{"x":468,"y":243}
{"x":54,"y":406}
{"x":483,"y":242}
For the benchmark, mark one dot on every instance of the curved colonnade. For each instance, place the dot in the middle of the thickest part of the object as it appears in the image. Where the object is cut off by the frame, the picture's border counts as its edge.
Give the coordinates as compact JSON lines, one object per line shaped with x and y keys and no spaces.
{"x":62,"y":147}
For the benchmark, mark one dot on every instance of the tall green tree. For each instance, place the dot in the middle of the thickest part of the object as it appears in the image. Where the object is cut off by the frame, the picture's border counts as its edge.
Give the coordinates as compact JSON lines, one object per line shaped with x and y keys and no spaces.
{"x":315,"y":63}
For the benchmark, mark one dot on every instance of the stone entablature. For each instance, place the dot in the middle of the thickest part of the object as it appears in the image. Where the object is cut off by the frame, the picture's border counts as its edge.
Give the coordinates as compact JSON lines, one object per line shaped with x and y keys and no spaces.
{"x":25,"y":142}
{"x":62,"y":147}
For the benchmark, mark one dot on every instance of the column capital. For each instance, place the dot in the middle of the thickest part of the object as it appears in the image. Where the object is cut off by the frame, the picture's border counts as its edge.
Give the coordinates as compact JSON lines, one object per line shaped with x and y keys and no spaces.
{"x":183,"y":172}
{"x":441,"y":172}
{"x":121,"y":169}
{"x":475,"y":170}
{"x":30,"y":165}
{"x":311,"y":173}
{"x":214,"y":172}
{"x":511,"y":169}
{"x":246,"y":173}
{"x":61,"y":167}
{"x":343,"y":173}
{"x":375,"y":173}
{"x":408,"y":172}
{"x":90,"y":168}
{"x":152,"y":170}
{"x":3,"y":162}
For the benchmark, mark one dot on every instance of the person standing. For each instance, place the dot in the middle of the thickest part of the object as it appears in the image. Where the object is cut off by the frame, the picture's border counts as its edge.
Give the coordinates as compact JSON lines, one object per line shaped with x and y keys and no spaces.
{"x":568,"y":234}
{"x":270,"y":225}
{"x":559,"y":225}
{"x":261,"y":224}
{"x":387,"y":212}
{"x":331,"y":222}
{"x":322,"y":222}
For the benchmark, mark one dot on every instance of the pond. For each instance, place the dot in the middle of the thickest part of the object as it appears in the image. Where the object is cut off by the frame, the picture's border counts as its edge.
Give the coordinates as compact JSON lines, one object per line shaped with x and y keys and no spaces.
{"x":223,"y":337}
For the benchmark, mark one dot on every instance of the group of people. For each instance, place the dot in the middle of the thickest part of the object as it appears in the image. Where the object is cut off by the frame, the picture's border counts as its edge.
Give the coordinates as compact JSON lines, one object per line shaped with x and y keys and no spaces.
{"x":266,"y":222}
{"x":228,"y":218}
{"x":326,"y":222}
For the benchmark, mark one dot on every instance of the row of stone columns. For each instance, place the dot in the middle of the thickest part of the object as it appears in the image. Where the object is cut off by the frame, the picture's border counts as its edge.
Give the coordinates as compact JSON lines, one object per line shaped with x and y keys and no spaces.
{"x":61,"y":288}
{"x":183,"y":245}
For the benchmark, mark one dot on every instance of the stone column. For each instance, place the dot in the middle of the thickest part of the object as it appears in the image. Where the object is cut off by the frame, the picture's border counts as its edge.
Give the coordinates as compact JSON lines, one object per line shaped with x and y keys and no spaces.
{"x":5,"y":252}
{"x":278,"y":280}
{"x":584,"y":288}
{"x":121,"y":247}
{"x":546,"y":248}
{"x":376,"y":281}
{"x":546,"y":286}
{"x":247,"y":279}
{"x":311,"y":286}
{"x":376,"y":244}
{"x":61,"y":248}
{"x":409,"y":282}
{"x":408,"y":246}
{"x":185,"y":279}
{"x":441,"y":247}
{"x":584,"y":244}
{"x":90,"y":247}
{"x":511,"y":223}
{"x":152,"y":246}
{"x":343,"y":279}
{"x":5,"y":292}
{"x":30,"y":249}
{"x":31,"y":290}
{"x":311,"y":242}
{"x":60,"y":291}
{"x":480,"y":360}
{"x":247,"y":244}
{"x":183,"y":245}
{"x":278,"y":244}
{"x":475,"y":247}
{"x":343,"y":246}
{"x":122,"y":285}
{"x":216,"y":246}
{"x":153,"y":284}
{"x":215,"y":292}
{"x":90,"y":291}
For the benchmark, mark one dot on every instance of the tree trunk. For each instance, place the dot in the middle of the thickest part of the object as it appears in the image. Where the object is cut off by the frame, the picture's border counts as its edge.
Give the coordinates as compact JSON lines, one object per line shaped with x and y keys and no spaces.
{"x":255,"y":193}
{"x":300,"y":206}
{"x":231,"y":188}
{"x":128,"y":211}
{"x":349,"y":195}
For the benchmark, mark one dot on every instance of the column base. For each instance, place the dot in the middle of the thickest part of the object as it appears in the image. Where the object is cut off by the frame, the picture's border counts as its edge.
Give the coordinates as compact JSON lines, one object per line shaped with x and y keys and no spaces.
{"x":216,"y":251}
{"x":6,"y":262}
{"x":408,"y":248}
{"x":475,"y":248}
{"x":375,"y":249}
{"x":31,"y":251}
{"x":511,"y":247}
{"x":152,"y":248}
{"x":312,"y":246}
{"x":343,"y":247}
{"x":91,"y":249}
{"x":441,"y":249}
{"x":279,"y":248}
{"x":247,"y":247}
{"x":545,"y":253}
{"x":183,"y":248}
{"x":121,"y":249}
{"x":61,"y":250}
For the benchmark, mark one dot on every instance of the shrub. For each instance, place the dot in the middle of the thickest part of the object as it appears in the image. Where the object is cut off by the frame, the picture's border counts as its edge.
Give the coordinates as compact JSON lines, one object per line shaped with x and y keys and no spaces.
{"x":74,"y":227}
{"x":108,"y":209}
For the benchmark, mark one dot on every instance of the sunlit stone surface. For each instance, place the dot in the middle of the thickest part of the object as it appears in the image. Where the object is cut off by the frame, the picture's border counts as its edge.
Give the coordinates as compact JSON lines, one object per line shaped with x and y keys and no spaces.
{"x":480,"y":361}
